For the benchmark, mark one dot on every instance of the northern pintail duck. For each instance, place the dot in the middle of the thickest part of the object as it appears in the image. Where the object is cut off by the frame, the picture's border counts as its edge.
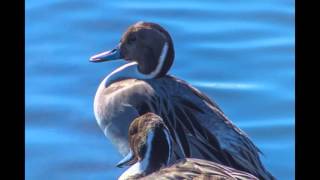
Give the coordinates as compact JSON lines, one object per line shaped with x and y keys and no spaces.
{"x":198,"y":126}
{"x":150,"y":156}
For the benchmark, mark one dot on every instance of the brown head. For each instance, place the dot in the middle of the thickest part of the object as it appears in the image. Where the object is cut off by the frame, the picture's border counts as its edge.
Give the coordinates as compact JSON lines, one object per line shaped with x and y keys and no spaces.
{"x":146,"y":43}
{"x":149,"y":142}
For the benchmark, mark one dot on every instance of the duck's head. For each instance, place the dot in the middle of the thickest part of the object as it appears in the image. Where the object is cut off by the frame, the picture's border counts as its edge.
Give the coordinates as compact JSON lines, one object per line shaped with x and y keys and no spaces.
{"x":150,"y":144}
{"x":146,"y":43}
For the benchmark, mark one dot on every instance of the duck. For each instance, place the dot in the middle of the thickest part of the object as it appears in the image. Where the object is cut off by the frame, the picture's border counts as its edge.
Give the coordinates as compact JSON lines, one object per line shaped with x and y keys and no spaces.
{"x":150,"y":153}
{"x":198,"y":126}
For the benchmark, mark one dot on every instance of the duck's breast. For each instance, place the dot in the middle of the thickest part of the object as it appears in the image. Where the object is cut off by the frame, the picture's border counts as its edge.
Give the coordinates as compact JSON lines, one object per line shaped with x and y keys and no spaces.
{"x":117,"y":105}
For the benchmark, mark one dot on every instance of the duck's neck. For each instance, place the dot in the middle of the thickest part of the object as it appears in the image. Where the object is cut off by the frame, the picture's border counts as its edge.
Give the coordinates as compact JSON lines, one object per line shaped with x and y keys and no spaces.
{"x":153,"y":68}
{"x":137,"y":71}
{"x":157,"y":155}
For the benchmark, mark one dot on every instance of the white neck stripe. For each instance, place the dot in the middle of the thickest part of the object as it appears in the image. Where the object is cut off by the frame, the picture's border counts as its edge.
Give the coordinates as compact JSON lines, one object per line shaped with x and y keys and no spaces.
{"x":162,"y":58}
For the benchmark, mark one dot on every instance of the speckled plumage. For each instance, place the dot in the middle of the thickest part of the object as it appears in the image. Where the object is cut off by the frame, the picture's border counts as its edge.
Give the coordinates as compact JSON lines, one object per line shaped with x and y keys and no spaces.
{"x":197,"y":169}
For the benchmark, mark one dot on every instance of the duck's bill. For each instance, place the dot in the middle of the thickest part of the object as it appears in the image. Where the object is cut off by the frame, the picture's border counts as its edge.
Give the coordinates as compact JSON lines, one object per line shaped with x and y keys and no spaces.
{"x":113,"y":54}
{"x":127,"y":160}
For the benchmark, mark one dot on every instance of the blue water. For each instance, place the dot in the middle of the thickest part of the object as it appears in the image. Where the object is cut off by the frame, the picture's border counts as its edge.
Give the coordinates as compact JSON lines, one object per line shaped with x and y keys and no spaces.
{"x":240,"y":53}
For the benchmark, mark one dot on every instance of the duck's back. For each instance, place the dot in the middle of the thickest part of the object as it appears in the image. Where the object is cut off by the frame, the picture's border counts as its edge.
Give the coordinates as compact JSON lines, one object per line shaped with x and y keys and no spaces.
{"x":198,"y":127}
{"x":197,"y":169}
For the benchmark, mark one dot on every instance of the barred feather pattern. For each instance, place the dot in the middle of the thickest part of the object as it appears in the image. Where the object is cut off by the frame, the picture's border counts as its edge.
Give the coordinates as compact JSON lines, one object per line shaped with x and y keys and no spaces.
{"x":197,"y":169}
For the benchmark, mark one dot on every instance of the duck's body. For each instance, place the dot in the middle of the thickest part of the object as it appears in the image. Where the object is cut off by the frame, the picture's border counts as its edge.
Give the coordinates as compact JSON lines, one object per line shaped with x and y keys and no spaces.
{"x":198,"y":127}
{"x":148,"y":135}
{"x":198,"y":169}
{"x":186,"y":112}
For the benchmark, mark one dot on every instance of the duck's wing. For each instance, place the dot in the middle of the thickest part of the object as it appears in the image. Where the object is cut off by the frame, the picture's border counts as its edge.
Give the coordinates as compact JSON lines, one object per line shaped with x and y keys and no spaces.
{"x":198,"y":127}
{"x":196,"y":169}
{"x":202,"y":130}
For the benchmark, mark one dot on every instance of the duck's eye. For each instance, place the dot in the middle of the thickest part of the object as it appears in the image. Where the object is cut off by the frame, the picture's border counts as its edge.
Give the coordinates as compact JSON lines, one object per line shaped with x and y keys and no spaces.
{"x":131,"y":39}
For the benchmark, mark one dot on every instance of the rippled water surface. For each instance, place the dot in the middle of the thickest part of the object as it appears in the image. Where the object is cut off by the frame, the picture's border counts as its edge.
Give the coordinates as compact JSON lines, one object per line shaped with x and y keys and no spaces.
{"x":240,"y":53}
